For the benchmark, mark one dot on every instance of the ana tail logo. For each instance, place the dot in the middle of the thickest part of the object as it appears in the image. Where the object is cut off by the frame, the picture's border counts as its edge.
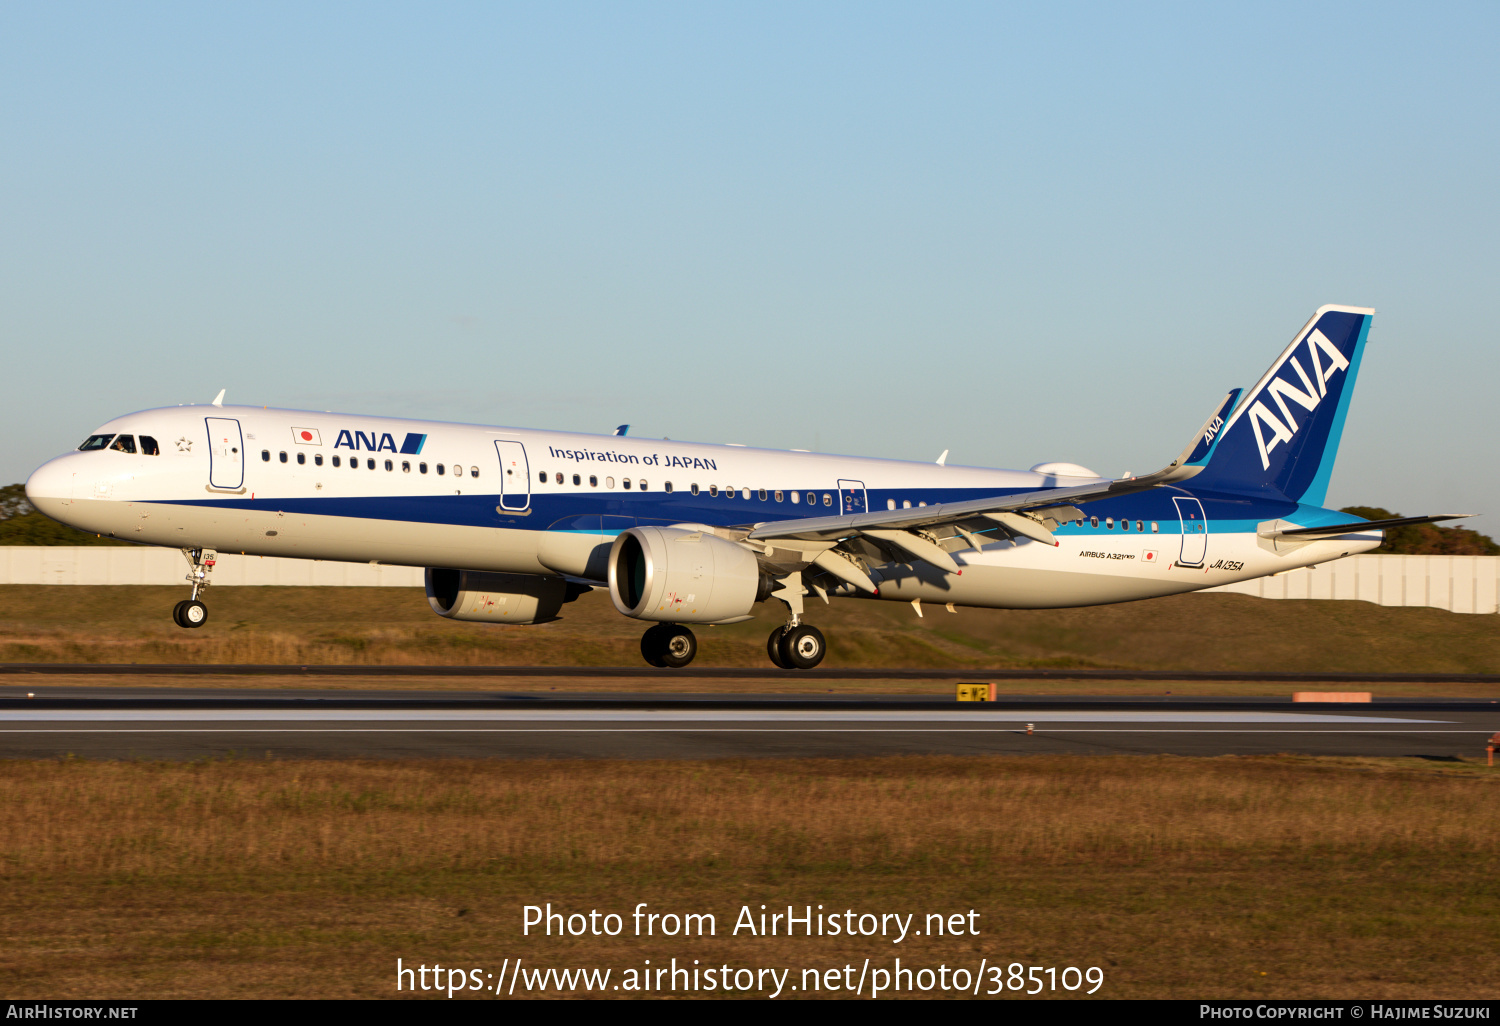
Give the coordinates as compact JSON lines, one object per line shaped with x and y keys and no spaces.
{"x":1314,"y":389}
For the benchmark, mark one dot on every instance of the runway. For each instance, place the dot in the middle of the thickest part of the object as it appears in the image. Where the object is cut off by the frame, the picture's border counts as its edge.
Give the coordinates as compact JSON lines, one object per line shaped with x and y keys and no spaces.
{"x":188,"y":723}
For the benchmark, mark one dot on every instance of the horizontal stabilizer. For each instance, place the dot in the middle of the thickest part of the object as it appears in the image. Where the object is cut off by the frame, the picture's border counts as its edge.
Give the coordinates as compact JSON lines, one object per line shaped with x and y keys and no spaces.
{"x":1334,"y":530}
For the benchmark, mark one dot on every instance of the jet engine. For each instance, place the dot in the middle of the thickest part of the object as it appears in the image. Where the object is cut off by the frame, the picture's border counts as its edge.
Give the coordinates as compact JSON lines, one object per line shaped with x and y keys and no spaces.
{"x":679,"y":575}
{"x":498,"y":598}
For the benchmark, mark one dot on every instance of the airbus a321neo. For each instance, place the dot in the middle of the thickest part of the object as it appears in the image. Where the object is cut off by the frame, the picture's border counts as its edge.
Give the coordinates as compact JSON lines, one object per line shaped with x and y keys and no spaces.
{"x":512,"y":524}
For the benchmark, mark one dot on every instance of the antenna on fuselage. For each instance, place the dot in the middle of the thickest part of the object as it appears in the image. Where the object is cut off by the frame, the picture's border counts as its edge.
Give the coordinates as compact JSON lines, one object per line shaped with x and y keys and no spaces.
{"x":219,"y":399}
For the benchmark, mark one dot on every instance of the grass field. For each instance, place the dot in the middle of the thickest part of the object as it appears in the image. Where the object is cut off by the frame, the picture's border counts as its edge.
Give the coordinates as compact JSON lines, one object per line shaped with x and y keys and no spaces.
{"x":390,"y":626}
{"x":1228,"y":877}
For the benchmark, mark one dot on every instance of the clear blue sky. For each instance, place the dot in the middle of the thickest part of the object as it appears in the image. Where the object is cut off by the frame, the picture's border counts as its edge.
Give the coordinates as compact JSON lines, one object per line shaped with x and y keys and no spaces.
{"x":1039,"y":232}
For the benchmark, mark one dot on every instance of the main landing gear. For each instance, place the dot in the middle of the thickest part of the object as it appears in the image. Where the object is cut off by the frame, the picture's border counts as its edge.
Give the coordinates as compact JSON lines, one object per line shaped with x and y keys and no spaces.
{"x":669,"y":645}
{"x":796,"y":645}
{"x":799,"y":647}
{"x":793,"y":646}
{"x":190,"y":612}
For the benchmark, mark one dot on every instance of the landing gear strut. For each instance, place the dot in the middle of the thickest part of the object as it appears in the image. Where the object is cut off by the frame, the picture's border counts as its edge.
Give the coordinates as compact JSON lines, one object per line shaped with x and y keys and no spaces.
{"x":669,"y":645}
{"x":190,"y":612}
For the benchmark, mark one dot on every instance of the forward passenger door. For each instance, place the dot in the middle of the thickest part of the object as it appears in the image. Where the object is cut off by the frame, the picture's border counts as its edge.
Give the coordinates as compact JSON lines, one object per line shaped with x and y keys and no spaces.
{"x":226,"y":453}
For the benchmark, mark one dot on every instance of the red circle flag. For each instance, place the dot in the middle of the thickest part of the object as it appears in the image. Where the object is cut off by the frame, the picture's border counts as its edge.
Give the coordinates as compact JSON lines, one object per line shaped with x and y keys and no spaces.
{"x":307,"y":436}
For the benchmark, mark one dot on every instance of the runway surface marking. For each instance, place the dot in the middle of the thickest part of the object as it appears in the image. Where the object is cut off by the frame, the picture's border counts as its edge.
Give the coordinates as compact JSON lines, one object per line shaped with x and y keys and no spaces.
{"x":671,"y":716}
{"x":698,"y":730}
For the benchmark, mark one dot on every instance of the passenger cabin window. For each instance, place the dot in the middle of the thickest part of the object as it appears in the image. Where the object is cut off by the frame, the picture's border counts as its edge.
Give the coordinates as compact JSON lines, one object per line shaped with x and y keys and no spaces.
{"x":124,"y":443}
{"x":827,"y":499}
{"x":149,"y":446}
{"x":1155,"y":527}
{"x":390,"y":465}
{"x":559,"y":479}
{"x":713,"y":491}
{"x":421,"y":468}
{"x":641,"y":486}
{"x":762,"y":495}
{"x":1139,"y":526}
{"x":1124,"y":525}
{"x":370,"y":463}
{"x":693,"y":489}
{"x":625,"y":483}
{"x":1093,"y":522}
{"x":667,"y":486}
{"x":577,"y":480}
{"x":609,"y":482}
{"x":473,"y":471}
{"x":890,"y":503}
{"x":336,"y":461}
{"x":778,"y":495}
{"x":93,"y":442}
{"x":542,"y":477}
{"x":796,"y":498}
{"x":906,"y":504}
{"x":593,"y":481}
{"x":302,"y":458}
{"x":440,"y":470}
{"x":265,"y":455}
{"x":283,"y":457}
{"x":318,"y":459}
{"x":406,"y":466}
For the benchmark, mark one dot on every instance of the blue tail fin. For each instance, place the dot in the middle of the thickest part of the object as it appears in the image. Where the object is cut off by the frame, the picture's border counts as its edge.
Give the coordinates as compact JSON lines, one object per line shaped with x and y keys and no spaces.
{"x":1282,"y":437}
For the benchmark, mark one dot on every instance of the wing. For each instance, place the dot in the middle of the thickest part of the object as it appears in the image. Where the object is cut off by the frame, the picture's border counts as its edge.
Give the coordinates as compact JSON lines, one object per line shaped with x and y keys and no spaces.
{"x":844,"y":546}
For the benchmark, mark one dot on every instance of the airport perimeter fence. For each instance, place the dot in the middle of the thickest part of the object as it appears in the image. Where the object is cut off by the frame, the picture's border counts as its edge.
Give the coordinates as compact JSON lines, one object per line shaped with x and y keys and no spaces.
{"x":1462,"y":584}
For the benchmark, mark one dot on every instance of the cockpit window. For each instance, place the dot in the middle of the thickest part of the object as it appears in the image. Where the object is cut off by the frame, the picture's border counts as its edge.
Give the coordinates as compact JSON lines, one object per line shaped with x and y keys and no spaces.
{"x":94,"y":442}
{"x":124,"y":443}
{"x":149,"y":446}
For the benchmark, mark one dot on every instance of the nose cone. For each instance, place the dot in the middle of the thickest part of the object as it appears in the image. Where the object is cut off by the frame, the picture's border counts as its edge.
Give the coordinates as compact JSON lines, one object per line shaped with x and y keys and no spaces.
{"x":50,"y":489}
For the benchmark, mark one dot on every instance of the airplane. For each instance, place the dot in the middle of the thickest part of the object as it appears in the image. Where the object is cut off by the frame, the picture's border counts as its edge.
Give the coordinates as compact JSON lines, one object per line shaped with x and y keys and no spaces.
{"x":512,"y":524}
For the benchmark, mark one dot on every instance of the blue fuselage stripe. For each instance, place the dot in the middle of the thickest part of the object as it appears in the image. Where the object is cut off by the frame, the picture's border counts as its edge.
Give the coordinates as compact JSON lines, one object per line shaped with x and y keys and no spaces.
{"x":593,"y":512}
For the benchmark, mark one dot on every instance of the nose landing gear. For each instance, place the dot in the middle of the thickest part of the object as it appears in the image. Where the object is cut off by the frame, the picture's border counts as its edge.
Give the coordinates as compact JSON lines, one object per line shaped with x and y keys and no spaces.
{"x":190,"y":612}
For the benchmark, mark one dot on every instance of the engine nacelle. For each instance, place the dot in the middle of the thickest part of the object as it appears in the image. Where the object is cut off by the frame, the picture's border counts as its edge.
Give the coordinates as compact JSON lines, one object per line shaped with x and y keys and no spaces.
{"x":496,"y":598}
{"x":682,"y":576}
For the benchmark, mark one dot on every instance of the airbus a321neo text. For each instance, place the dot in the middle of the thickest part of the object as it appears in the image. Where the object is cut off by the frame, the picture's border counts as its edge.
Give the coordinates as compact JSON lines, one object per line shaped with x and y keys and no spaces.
{"x":512,"y":524}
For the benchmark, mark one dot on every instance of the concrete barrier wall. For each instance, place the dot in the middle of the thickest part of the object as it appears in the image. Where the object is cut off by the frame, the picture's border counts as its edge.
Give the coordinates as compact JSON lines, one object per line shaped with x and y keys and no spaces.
{"x":1463,"y":584}
{"x":139,"y":564}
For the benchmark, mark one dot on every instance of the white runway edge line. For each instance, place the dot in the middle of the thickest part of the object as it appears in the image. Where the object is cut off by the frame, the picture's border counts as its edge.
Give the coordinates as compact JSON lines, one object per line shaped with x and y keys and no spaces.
{"x":663,"y":716}
{"x":696,"y":730}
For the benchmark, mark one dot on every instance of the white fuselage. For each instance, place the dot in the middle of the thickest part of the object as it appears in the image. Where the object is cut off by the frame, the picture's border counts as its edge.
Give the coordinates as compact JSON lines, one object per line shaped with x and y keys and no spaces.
{"x":339,"y":487}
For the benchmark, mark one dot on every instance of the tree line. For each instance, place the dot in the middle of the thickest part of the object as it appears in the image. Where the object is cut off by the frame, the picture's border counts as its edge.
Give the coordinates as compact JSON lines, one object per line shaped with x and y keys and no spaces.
{"x":22,"y":524}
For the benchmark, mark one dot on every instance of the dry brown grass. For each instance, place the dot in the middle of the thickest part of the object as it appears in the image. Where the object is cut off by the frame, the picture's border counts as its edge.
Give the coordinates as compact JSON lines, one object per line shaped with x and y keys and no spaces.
{"x":393,"y":626}
{"x":1181,"y":877}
